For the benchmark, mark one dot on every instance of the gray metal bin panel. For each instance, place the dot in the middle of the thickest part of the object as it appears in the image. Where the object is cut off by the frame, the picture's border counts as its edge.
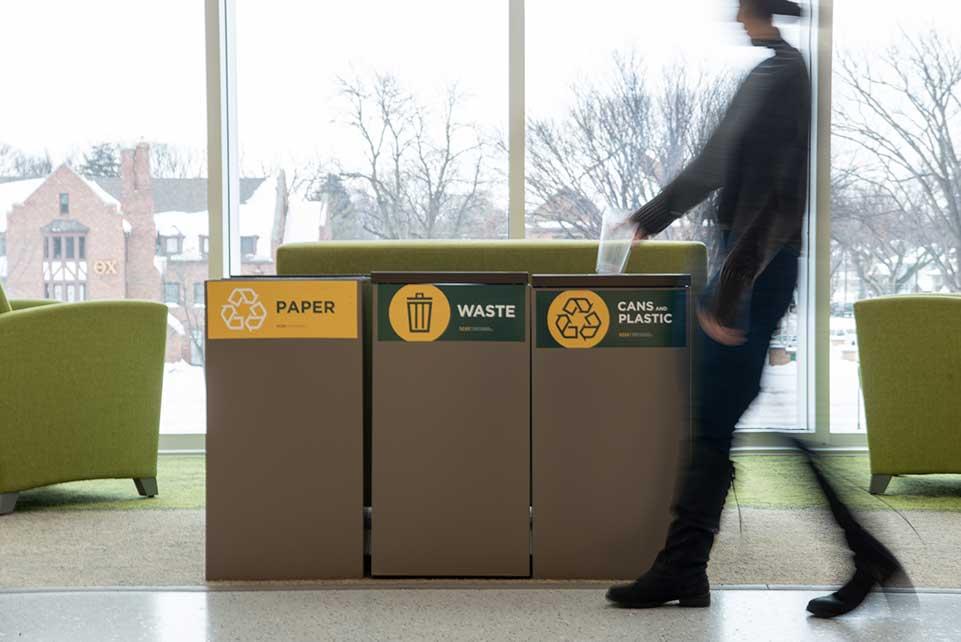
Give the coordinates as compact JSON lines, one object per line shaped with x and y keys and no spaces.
{"x":285,"y":459}
{"x":608,"y":427}
{"x":450,"y":456}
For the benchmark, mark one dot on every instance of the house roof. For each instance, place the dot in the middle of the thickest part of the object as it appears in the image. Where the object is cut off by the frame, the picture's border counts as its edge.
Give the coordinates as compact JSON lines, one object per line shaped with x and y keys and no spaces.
{"x":65,"y":225}
{"x":180,"y":209}
{"x":170,"y":194}
{"x":15,"y":191}
{"x":178,"y":194}
{"x":256,"y":215}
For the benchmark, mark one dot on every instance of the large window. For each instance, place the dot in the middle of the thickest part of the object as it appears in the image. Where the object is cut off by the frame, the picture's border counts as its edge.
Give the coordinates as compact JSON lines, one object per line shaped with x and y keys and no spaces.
{"x":348,"y":127}
{"x":372,"y":119}
{"x":620,"y":96}
{"x":65,"y":265}
{"x":895,"y":197}
{"x":104,"y":150}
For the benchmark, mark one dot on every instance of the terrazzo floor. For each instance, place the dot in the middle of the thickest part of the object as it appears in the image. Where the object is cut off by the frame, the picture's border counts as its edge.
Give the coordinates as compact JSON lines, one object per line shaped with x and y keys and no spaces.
{"x":458,"y":614}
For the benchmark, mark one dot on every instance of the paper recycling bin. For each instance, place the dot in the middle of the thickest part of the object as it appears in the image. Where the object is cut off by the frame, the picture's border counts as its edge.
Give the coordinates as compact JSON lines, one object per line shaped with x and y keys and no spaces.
{"x":450,"y":444}
{"x":611,"y":398}
{"x":284,"y":368}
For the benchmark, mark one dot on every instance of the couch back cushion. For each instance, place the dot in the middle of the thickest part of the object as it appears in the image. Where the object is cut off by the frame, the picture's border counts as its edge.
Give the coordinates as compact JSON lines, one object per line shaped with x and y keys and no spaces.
{"x":535,"y":257}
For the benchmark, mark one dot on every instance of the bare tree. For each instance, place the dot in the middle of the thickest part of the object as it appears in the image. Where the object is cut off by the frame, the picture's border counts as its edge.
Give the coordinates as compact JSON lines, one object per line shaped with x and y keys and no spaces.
{"x":901,"y":114}
{"x":423,"y":174}
{"x":621,"y":142}
{"x":876,"y":238}
{"x":15,"y":163}
{"x":177,"y":161}
{"x":191,"y":315}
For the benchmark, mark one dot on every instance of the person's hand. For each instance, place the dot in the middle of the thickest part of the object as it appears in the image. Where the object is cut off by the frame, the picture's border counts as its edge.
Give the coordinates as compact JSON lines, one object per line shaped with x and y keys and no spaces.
{"x":720,"y":333}
{"x":640,"y":234}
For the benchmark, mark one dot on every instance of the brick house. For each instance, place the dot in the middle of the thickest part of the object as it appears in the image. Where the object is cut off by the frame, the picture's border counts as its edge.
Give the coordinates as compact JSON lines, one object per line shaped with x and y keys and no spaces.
{"x":134,"y":236}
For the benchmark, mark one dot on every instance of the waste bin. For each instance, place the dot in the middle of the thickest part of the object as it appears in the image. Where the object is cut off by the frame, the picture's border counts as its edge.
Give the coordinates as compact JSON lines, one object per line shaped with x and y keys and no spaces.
{"x":450,"y":444}
{"x":611,"y":400}
{"x":284,"y":368}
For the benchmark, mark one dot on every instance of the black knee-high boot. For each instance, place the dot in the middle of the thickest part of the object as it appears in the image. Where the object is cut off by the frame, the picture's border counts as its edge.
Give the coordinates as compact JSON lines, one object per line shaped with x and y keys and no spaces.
{"x":679,"y":572}
{"x":873,"y":563}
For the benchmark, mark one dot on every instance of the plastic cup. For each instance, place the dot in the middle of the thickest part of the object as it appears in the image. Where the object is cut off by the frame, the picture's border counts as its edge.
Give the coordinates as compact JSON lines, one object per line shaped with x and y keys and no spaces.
{"x":617,"y":236}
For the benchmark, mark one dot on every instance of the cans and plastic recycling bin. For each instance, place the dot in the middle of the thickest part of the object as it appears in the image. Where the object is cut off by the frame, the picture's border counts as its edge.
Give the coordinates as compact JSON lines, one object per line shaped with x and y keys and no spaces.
{"x":611,"y":399}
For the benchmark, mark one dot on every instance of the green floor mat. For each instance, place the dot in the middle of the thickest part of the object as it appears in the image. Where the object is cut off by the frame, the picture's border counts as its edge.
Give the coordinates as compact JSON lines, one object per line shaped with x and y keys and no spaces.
{"x":784,"y":481}
{"x":763,"y":481}
{"x":181,"y":481}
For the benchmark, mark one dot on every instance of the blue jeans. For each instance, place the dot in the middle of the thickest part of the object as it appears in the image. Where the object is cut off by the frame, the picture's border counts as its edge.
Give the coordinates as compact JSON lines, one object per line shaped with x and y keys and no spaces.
{"x":727,"y":380}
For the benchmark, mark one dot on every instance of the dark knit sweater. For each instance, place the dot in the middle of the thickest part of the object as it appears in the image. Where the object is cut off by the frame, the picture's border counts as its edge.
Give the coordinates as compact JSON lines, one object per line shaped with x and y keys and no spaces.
{"x":758,"y":158}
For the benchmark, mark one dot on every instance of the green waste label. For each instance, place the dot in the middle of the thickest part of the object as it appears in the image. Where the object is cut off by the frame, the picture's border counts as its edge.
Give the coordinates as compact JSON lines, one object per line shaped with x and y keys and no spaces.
{"x":621,"y":318}
{"x":423,"y":313}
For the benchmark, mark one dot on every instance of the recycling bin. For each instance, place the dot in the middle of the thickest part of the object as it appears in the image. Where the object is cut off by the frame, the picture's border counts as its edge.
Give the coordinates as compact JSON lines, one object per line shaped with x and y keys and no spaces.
{"x":610,"y":404}
{"x":450,"y":423}
{"x":285,"y":419}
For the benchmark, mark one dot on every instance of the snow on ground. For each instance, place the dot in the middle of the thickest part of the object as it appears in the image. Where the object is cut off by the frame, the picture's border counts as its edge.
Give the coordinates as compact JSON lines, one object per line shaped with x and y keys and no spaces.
{"x":776,"y":406}
{"x":847,"y":404}
{"x":184,"y":406}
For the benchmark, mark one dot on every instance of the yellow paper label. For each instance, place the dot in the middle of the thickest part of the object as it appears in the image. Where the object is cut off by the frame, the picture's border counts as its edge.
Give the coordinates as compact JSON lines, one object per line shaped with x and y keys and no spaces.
{"x":282,"y":309}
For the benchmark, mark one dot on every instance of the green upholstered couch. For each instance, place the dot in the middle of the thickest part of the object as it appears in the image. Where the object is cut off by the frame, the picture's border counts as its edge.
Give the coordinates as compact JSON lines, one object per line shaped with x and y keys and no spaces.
{"x":80,"y":387}
{"x":910,"y":352}
{"x":535,"y":257}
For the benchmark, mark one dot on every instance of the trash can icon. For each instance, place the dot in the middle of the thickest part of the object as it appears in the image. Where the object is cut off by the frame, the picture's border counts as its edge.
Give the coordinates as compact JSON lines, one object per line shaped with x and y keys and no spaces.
{"x":419,"y":308}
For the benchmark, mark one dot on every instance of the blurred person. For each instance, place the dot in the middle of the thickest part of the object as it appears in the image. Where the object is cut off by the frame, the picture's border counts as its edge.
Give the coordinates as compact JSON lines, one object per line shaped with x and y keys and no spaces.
{"x":758,"y":158}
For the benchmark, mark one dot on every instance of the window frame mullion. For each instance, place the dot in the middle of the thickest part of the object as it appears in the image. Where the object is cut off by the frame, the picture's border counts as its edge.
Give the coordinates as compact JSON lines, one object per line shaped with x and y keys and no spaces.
{"x":517,"y":120}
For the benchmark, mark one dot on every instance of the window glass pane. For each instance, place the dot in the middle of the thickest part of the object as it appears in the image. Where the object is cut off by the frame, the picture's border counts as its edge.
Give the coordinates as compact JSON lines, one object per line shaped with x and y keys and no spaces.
{"x":620,"y":97}
{"x":894,"y":202}
{"x":198,"y":293}
{"x":248,"y":245}
{"x":399,"y":82}
{"x":110,"y":101}
{"x":172,"y":293}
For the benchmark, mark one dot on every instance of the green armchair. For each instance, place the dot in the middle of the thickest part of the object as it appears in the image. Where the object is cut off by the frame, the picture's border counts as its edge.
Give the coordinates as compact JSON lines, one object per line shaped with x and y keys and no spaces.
{"x":910,"y":351}
{"x":80,"y":387}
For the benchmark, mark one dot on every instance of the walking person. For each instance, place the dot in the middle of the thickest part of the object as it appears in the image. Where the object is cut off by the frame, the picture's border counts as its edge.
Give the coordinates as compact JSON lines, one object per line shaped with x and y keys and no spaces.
{"x":758,"y":159}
